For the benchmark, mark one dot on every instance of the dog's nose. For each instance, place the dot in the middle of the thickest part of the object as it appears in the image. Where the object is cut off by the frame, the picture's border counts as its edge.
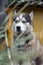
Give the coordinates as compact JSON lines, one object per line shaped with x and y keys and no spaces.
{"x":18,"y":28}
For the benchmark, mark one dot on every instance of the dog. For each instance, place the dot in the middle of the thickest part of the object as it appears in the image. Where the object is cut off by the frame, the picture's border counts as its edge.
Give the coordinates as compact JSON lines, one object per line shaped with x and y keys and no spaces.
{"x":28,"y":50}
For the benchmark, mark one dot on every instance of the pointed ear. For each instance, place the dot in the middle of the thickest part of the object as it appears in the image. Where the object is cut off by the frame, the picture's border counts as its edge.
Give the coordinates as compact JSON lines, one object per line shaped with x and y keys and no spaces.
{"x":15,"y":12}
{"x":31,"y":15}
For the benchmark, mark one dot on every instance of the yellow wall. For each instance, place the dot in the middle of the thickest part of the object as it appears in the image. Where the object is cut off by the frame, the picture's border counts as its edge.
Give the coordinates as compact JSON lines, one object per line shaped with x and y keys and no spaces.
{"x":38,"y":23}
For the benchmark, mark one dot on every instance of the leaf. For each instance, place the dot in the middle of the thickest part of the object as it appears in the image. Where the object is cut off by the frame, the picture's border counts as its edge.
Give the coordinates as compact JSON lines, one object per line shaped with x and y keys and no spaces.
{"x":2,"y":31}
{"x":2,"y":35}
{"x":11,"y":0}
{"x":38,"y":0}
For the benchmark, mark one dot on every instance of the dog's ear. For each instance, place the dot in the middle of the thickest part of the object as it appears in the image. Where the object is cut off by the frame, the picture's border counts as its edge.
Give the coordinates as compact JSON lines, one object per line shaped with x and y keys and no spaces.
{"x":31,"y":15}
{"x":15,"y":12}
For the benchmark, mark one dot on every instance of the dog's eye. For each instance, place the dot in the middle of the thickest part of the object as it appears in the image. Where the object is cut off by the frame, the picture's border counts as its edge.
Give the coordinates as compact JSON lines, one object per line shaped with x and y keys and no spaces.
{"x":16,"y":21}
{"x":24,"y":21}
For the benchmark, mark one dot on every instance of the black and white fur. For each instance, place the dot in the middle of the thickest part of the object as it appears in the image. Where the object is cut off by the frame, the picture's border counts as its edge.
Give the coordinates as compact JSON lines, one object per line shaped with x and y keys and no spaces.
{"x":23,"y":23}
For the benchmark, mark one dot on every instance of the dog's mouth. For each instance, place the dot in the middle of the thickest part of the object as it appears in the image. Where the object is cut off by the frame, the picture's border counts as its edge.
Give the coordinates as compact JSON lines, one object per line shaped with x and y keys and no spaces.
{"x":18,"y":33}
{"x":23,"y":35}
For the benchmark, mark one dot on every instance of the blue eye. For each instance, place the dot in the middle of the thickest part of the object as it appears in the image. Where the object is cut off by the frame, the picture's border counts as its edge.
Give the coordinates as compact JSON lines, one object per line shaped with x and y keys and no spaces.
{"x":16,"y":21}
{"x":24,"y":21}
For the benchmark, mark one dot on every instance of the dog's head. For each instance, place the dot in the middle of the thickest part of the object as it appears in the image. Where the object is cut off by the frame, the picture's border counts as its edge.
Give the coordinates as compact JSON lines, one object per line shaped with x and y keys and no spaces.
{"x":23,"y":23}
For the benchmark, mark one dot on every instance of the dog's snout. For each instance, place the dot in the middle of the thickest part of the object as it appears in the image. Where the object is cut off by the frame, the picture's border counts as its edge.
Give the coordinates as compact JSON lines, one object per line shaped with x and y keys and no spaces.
{"x":18,"y":28}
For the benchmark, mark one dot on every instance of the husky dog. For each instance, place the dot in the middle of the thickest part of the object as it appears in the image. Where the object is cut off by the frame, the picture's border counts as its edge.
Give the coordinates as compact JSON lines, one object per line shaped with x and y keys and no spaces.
{"x":27,"y":51}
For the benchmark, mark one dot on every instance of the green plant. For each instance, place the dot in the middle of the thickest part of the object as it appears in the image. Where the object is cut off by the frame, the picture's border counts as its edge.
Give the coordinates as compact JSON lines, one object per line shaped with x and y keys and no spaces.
{"x":38,"y":0}
{"x":11,"y":0}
